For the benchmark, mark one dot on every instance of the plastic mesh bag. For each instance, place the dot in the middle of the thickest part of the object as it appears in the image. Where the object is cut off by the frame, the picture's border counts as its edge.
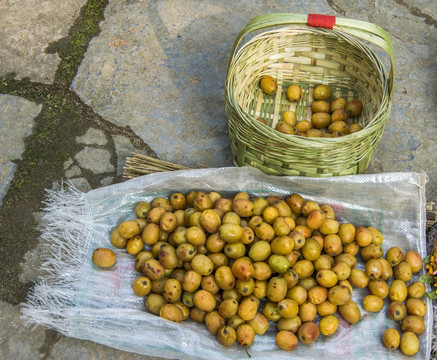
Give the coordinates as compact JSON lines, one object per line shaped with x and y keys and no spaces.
{"x":85,"y":302}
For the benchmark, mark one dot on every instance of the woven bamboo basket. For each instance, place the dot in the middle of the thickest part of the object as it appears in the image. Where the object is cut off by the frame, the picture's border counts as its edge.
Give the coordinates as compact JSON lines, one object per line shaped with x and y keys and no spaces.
{"x":308,"y":51}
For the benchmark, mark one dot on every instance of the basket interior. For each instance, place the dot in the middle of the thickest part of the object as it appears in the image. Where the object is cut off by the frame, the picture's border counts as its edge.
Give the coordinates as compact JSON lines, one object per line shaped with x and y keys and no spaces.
{"x":307,"y":57}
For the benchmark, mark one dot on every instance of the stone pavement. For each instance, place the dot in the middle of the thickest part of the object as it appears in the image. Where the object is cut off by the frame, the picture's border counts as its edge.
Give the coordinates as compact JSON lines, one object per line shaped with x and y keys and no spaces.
{"x":151,"y":80}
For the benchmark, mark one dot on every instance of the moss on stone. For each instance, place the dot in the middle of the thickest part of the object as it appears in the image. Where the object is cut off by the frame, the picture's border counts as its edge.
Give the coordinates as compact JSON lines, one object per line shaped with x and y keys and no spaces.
{"x":62,"y":118}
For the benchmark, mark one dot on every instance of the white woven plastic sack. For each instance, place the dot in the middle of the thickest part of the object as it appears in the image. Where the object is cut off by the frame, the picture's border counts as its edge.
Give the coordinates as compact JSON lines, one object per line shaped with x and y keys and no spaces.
{"x":85,"y":302}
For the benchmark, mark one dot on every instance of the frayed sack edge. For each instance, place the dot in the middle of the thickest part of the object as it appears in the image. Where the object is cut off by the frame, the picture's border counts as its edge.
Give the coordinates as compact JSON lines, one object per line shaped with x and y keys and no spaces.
{"x":65,"y":222}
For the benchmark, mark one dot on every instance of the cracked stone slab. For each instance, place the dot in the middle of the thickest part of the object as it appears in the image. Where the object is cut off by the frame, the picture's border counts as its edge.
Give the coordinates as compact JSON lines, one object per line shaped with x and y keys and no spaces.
{"x":408,"y":142}
{"x":68,"y":163}
{"x":81,"y":184}
{"x":24,"y":343}
{"x":28,"y":27}
{"x":77,"y":350}
{"x":73,"y":171}
{"x":162,"y":75}
{"x":93,"y":137}
{"x":96,"y":160}
{"x":17,"y":117}
{"x":7,"y":171}
{"x":16,"y":340}
{"x":31,"y":263}
{"x":123,"y":148}
{"x":107,"y":181}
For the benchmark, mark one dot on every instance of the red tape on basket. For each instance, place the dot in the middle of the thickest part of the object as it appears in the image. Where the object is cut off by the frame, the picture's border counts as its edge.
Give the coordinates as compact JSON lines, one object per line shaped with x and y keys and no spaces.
{"x":322,"y":21}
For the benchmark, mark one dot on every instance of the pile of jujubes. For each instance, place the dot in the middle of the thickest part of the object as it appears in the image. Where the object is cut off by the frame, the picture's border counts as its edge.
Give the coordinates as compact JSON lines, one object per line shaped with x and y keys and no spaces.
{"x":330,"y":118}
{"x":243,"y":263}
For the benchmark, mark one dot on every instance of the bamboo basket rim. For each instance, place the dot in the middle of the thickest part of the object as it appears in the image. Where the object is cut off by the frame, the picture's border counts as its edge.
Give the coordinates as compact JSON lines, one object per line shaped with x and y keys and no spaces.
{"x":271,"y":20}
{"x":244,"y":124}
{"x":369,"y":128}
{"x":357,"y":28}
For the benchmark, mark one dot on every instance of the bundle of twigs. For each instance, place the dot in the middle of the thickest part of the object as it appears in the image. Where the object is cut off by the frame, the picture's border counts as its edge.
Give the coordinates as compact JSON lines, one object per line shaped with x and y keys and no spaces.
{"x":139,"y":164}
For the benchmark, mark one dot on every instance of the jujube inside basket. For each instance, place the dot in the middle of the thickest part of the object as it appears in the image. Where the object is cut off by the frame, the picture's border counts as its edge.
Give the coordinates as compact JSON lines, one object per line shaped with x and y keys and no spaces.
{"x":308,"y":51}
